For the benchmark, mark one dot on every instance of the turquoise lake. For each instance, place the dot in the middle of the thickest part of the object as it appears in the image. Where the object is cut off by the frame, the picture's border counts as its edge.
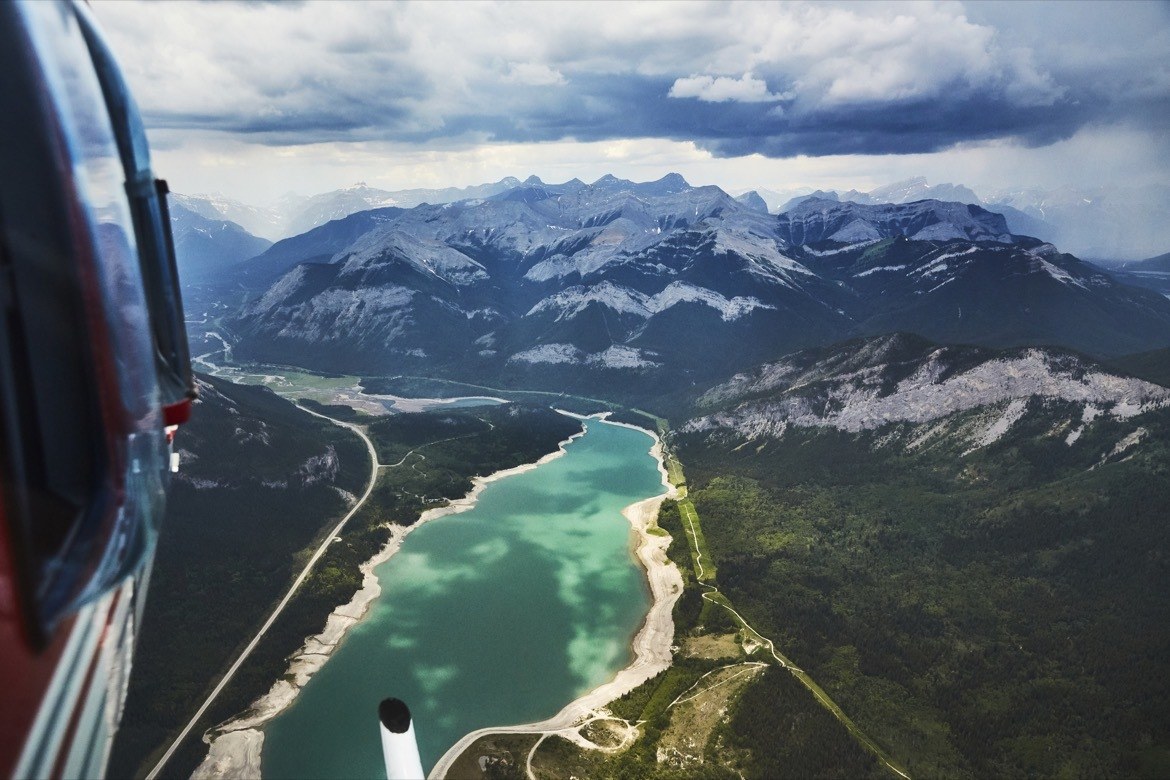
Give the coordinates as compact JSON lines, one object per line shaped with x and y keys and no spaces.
{"x":498,"y":615}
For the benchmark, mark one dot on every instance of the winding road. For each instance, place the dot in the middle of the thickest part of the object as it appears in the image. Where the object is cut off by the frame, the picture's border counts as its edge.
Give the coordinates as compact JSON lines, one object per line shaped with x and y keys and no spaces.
{"x":328,"y":540}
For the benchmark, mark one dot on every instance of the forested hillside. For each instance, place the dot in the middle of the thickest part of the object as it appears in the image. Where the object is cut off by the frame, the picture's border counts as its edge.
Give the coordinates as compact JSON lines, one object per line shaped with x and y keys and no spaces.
{"x":988,"y":612}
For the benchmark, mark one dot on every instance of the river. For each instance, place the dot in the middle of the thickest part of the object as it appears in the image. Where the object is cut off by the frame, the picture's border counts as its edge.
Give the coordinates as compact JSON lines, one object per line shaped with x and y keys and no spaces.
{"x":498,"y":615}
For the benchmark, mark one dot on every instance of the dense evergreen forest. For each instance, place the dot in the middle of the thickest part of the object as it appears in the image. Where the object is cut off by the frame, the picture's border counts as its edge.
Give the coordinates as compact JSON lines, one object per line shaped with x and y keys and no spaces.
{"x":996,"y":613}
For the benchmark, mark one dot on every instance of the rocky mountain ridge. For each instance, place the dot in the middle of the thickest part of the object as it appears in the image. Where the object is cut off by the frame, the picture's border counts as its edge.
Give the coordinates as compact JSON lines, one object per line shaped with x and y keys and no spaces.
{"x":815,"y":220}
{"x":917,"y":390}
{"x":663,"y":275}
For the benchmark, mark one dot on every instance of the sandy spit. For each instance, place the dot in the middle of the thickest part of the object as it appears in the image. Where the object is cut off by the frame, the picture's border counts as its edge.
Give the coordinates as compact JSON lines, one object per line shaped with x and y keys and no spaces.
{"x":235,"y":746}
{"x":428,"y":404}
{"x":652,"y":643}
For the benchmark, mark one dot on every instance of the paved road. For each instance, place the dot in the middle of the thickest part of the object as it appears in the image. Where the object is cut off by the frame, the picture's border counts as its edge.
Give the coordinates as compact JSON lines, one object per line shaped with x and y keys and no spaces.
{"x":284,"y":601}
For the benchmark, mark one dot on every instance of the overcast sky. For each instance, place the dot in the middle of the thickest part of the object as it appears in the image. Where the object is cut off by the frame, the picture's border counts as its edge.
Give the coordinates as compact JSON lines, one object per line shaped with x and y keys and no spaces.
{"x":257,"y":99}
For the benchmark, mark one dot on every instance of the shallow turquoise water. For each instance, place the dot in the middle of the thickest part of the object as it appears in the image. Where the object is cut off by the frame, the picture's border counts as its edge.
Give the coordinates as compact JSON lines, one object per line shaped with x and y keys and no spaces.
{"x":499,"y":615}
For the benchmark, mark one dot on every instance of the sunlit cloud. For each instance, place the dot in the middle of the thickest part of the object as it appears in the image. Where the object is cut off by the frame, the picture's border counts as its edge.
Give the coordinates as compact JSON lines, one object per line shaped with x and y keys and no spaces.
{"x":450,"y":93}
{"x":721,"y":89}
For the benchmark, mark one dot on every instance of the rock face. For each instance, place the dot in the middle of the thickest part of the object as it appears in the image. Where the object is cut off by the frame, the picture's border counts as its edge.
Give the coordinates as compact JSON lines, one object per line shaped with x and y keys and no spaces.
{"x":899,"y":379}
{"x":664,"y":277}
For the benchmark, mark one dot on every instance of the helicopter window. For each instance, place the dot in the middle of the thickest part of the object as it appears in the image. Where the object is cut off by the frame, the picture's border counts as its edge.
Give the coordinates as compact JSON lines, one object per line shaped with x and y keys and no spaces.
{"x":151,"y":223}
{"x":78,"y":390}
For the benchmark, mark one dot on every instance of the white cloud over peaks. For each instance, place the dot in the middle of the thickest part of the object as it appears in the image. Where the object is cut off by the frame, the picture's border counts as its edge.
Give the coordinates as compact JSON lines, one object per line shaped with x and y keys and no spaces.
{"x":720,"y":89}
{"x":533,"y":74}
{"x":873,"y":53}
{"x":398,"y":71}
{"x":733,"y":78}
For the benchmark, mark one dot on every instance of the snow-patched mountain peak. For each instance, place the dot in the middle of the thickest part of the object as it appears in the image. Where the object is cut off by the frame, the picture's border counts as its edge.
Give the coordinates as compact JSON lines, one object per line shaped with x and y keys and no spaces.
{"x":752,"y":200}
{"x":609,"y":181}
{"x":388,"y":245}
{"x":905,"y":191}
{"x":294,"y":214}
{"x":668,"y":184}
{"x":792,"y":203}
{"x":916,"y":188}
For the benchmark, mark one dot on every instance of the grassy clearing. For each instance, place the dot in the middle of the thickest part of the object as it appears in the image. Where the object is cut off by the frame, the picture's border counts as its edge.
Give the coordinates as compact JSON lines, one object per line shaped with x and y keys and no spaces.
{"x":557,"y":759}
{"x":287,"y":381}
{"x":674,"y":473}
{"x":495,"y":757}
{"x":705,"y":570}
{"x":697,"y":714}
{"x":716,"y":647}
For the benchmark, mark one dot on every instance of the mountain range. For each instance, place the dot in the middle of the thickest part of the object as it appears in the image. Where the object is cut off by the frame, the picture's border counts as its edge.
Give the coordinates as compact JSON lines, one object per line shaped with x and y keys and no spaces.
{"x":631,"y":283}
{"x":1114,"y":224}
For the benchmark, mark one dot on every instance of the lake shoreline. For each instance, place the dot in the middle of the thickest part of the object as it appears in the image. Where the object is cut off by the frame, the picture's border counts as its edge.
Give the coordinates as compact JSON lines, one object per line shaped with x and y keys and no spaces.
{"x":651,"y":646}
{"x":235,"y":747}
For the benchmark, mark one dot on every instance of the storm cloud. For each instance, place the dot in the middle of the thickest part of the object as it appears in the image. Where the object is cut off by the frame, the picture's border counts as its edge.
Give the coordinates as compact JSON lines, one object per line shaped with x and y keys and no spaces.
{"x":777,"y":80}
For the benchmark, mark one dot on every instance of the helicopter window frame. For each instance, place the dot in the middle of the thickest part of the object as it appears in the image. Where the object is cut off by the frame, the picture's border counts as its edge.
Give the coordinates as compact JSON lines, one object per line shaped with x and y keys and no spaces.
{"x":151,"y":216}
{"x":80,"y":424}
